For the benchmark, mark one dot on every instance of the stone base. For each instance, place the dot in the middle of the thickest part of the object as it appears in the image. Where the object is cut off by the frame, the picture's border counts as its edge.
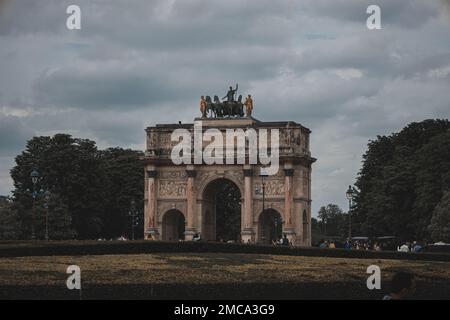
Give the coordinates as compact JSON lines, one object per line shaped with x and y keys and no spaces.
{"x":247,"y":236}
{"x":189,"y":234}
{"x":290,"y":234}
{"x":152,"y":234}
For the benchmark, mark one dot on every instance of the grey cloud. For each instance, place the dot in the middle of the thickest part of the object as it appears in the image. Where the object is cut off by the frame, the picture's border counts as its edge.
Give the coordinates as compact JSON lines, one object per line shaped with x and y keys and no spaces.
{"x":401,"y":13}
{"x":32,"y":17}
{"x":13,"y":133}
{"x":6,"y":164}
{"x":101,"y":90}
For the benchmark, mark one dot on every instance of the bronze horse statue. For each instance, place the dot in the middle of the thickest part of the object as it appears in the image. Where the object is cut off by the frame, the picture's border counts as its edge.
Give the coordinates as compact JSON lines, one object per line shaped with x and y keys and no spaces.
{"x":217,"y":109}
{"x":210,"y":107}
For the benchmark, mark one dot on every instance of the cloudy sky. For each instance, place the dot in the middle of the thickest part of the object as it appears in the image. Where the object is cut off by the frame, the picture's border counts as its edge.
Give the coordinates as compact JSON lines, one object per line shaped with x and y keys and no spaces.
{"x":138,"y":63}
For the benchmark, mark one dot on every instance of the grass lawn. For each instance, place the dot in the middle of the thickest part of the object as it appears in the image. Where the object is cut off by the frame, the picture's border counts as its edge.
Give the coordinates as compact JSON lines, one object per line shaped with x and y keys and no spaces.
{"x":212,"y":275}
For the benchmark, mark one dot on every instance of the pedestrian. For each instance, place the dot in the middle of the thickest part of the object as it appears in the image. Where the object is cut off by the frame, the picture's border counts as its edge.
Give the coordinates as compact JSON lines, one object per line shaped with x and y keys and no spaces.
{"x":324,"y":244}
{"x":285,"y":241}
{"x":416,"y":247}
{"x":403,"y":248}
{"x":348,"y":245}
{"x":196,"y":237}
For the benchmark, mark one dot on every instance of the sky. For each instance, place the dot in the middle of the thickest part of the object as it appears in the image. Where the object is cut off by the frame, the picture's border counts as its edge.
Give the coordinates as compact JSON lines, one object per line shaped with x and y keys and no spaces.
{"x":136,"y":63}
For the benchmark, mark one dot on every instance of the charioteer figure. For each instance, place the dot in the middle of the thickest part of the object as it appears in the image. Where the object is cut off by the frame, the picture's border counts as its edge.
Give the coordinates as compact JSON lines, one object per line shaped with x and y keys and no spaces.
{"x":231,"y":93}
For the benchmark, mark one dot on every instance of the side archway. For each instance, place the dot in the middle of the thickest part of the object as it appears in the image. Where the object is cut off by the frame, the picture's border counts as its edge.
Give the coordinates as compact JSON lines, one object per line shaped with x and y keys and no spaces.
{"x":173,"y":226}
{"x":270,"y":226}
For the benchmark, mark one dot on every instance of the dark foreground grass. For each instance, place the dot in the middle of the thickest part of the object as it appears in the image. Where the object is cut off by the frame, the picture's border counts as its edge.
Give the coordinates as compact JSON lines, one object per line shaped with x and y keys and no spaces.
{"x":212,"y":276}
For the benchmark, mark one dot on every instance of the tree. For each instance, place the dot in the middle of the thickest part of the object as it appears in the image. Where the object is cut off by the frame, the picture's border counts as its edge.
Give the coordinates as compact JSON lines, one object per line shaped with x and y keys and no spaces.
{"x":124,"y":174}
{"x":323,"y":215}
{"x":9,"y":220}
{"x":316,"y":231}
{"x":60,"y":224}
{"x":333,"y":220}
{"x":439,"y":227}
{"x":70,"y":167}
{"x":402,"y":179}
{"x":228,"y":211}
{"x":91,"y":189}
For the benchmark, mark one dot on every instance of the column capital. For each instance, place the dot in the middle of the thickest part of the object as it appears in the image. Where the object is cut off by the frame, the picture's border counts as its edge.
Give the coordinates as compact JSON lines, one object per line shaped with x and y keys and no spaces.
{"x":152,"y":173}
{"x":288,"y":172}
{"x":248,"y":172}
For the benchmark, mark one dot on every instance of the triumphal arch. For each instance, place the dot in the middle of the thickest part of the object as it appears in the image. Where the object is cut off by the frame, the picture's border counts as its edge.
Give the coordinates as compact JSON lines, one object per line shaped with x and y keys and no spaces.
{"x":181,"y":195}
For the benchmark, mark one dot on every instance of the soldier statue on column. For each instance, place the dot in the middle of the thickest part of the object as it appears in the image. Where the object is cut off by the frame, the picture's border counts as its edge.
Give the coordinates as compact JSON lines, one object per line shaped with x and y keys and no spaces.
{"x":203,"y":106}
{"x":248,"y":105}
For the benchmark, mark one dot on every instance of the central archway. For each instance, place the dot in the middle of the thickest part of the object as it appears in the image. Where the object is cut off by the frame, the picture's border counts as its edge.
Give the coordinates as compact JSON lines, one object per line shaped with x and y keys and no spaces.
{"x":221,"y":213}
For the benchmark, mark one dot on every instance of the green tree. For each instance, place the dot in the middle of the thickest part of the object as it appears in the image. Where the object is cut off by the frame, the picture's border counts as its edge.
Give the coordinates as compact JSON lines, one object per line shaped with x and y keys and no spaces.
{"x":439,"y":227}
{"x":91,"y":189}
{"x":124,"y":183}
{"x":60,"y":225}
{"x":333,"y":220}
{"x":402,"y":179}
{"x":228,"y":211}
{"x":70,"y":167}
{"x":9,"y":220}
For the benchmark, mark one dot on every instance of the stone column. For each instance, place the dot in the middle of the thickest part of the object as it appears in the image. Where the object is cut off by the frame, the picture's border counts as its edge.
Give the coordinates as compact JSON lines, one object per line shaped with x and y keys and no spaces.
{"x":190,"y":203}
{"x":247,"y":227}
{"x":152,"y":229}
{"x":288,"y":203}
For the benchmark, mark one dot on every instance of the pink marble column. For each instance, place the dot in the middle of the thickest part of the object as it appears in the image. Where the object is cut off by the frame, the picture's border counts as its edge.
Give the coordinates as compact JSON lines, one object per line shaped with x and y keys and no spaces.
{"x":288,"y":204}
{"x":151,"y":204}
{"x":190,"y":203}
{"x":288,"y":197}
{"x":247,"y":227}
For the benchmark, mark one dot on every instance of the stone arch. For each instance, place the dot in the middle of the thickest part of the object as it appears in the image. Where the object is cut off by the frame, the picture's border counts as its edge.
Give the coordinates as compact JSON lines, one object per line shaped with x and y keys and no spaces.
{"x":173,"y":225}
{"x":270,"y":204}
{"x":211,"y":228}
{"x":270,"y":226}
{"x":210,"y":178}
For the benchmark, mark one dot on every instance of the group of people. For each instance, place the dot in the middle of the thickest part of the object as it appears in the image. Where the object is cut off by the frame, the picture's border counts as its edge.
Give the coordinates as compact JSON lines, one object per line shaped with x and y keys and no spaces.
{"x":348,"y":245}
{"x":370,"y":245}
{"x":282,"y":241}
{"x":410,"y":247}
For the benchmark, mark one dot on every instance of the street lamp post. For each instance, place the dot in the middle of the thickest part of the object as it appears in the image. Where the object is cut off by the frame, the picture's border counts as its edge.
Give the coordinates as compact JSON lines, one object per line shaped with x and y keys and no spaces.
{"x":350,"y":194}
{"x":47,"y":195}
{"x":34,"y":175}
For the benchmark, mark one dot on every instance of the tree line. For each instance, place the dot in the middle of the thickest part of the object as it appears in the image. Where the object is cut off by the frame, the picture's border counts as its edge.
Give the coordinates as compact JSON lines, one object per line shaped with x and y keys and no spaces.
{"x":403,"y":189}
{"x":91,"y":190}
{"x":404,"y":184}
